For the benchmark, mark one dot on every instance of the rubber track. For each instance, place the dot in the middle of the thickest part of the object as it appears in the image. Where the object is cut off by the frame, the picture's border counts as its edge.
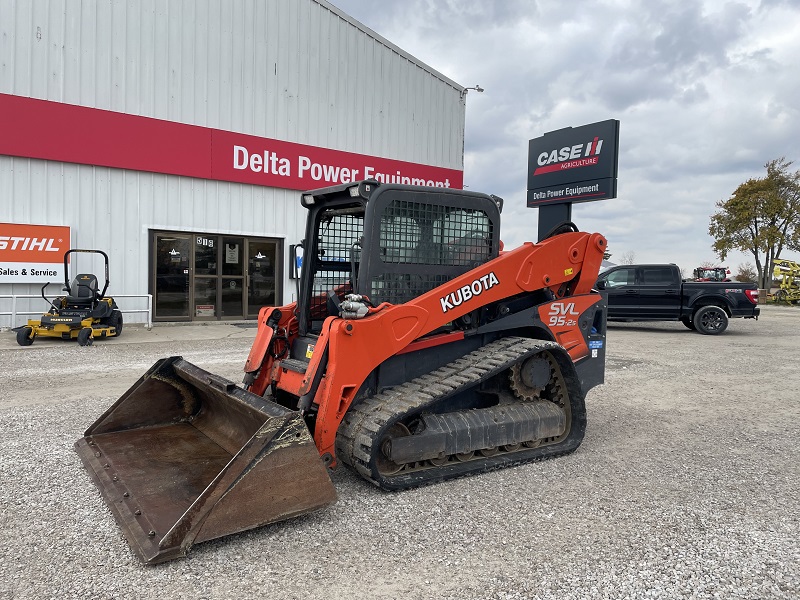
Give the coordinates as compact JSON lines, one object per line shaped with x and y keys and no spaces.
{"x":365,"y":423}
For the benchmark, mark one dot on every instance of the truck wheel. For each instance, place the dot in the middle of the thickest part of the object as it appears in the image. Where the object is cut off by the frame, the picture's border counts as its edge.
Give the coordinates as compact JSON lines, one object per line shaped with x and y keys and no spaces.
{"x":688,"y":322}
{"x":710,"y":320}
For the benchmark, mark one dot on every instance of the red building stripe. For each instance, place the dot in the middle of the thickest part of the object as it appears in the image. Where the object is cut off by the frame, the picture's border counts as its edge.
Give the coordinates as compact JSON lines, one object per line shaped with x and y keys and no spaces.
{"x":56,"y":131}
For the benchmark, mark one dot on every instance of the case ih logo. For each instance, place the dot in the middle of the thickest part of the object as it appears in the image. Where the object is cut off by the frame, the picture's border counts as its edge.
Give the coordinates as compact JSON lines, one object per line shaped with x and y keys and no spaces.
{"x":569,"y":157}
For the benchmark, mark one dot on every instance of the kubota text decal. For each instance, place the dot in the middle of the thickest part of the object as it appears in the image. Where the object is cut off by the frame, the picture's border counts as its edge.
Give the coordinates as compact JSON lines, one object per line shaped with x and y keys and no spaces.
{"x":468,"y":292}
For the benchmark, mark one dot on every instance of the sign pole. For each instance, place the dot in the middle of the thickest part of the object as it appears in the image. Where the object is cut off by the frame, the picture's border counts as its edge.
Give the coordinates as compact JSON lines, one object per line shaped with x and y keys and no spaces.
{"x":551,"y":216}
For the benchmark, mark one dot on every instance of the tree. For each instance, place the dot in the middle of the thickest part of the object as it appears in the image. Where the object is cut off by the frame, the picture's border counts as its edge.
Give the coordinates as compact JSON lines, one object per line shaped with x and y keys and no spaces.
{"x":746,"y":272}
{"x":628,"y":258}
{"x":761,"y":217}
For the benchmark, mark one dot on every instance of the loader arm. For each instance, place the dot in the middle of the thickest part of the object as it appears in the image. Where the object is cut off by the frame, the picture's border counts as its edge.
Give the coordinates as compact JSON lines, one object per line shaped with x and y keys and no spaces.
{"x":567,"y":264}
{"x":275,"y":327}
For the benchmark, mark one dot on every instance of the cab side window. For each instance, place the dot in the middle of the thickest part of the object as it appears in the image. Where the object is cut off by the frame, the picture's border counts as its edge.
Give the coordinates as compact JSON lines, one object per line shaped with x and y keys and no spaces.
{"x":621,"y":277}
{"x":657,"y":276}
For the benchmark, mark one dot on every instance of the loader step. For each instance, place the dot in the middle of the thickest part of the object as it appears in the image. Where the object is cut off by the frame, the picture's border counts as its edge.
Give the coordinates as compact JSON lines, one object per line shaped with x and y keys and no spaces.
{"x":294,"y":364}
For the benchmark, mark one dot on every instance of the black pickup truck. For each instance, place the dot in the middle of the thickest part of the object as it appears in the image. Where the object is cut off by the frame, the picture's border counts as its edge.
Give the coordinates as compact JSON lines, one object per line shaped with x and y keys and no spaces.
{"x":657,"y":293}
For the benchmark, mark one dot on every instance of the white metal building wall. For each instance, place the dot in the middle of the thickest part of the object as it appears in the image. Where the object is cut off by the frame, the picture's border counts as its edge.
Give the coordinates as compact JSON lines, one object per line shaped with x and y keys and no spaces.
{"x":295,"y":70}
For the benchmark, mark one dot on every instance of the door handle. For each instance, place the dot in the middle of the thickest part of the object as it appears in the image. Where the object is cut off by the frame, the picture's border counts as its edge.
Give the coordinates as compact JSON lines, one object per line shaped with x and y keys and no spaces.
{"x":631,"y":292}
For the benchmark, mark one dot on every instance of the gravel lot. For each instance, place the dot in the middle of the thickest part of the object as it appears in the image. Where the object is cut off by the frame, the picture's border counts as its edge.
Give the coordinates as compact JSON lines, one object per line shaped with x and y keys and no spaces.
{"x":685,"y":486}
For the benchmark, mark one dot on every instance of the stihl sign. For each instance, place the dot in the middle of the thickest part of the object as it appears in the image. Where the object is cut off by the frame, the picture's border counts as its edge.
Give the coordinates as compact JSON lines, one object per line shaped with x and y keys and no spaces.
{"x":574,"y":164}
{"x":78,"y":134}
{"x":32,"y":253}
{"x":28,"y":244}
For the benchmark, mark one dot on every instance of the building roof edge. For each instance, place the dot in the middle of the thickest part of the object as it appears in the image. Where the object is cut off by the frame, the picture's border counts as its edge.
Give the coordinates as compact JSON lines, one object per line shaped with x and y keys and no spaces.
{"x":373,"y":34}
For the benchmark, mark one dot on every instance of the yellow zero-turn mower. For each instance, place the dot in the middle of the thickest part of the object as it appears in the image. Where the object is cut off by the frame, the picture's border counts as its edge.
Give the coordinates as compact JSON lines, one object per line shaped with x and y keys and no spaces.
{"x":85,"y":313}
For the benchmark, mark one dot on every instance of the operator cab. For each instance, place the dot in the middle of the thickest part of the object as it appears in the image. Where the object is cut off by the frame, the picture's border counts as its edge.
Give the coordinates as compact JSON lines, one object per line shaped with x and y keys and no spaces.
{"x":389,"y":242}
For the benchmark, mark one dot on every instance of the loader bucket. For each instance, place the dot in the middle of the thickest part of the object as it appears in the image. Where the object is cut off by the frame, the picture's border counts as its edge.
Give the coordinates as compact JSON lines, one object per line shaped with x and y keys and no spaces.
{"x":185,"y":456}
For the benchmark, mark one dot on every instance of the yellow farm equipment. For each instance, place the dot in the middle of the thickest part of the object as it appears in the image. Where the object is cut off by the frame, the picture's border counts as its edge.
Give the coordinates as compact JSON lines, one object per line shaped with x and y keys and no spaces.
{"x":789,"y":273}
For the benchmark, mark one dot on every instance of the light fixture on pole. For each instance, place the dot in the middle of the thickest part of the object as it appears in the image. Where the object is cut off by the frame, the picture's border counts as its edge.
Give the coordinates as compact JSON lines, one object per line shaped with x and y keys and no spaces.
{"x":477,"y":88}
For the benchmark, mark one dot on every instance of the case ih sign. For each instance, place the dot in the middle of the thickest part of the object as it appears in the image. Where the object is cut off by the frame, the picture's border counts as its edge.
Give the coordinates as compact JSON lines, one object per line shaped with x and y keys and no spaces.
{"x":78,"y":134}
{"x":574,"y":164}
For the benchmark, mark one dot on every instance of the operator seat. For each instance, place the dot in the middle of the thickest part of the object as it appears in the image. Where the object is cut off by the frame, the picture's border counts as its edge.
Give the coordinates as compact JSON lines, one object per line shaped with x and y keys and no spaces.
{"x":83,"y":291}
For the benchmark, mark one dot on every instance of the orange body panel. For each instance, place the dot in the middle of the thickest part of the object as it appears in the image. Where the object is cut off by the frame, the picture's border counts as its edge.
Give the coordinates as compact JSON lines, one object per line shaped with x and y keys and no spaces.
{"x":567,"y":264}
{"x":368,"y":342}
{"x":259,"y":361}
{"x":561,"y":316}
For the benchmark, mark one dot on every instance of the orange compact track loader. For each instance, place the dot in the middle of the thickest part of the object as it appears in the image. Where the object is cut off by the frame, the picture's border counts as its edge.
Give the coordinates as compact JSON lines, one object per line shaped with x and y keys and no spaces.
{"x":417,"y":351}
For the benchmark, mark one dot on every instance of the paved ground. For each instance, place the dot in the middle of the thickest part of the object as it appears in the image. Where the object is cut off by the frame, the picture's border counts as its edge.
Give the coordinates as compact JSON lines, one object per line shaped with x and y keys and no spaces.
{"x":685,"y":486}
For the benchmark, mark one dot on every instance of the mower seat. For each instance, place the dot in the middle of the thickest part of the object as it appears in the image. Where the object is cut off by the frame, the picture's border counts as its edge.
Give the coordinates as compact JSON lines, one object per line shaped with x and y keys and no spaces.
{"x":83,"y":291}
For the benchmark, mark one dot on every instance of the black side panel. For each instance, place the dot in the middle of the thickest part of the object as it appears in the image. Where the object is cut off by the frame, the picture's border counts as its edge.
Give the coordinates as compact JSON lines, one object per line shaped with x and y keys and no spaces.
{"x":404,"y":367}
{"x":592,"y":369}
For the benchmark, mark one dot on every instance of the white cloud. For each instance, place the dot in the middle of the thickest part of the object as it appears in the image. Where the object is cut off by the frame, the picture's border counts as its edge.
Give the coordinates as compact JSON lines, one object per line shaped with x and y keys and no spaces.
{"x":706,"y":93}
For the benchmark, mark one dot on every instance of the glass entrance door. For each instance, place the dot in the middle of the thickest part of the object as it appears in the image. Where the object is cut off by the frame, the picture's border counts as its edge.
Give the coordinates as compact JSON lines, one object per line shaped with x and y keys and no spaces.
{"x":213,"y":277}
{"x":218,"y":277}
{"x":232,"y":282}
{"x":172,"y":276}
{"x":261,"y":275}
{"x":206,"y":280}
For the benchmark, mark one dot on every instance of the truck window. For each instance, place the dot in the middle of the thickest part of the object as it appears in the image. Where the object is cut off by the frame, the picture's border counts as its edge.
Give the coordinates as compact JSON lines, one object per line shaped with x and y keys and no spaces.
{"x":657,"y":276}
{"x":621,"y":277}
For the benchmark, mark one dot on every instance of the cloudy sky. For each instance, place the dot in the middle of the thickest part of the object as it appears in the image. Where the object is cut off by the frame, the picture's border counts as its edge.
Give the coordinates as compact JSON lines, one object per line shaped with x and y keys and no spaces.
{"x":706,"y":93}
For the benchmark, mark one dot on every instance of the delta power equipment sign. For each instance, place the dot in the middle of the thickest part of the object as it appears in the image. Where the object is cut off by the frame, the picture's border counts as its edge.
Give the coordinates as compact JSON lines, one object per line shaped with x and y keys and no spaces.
{"x":56,"y":131}
{"x":32,"y":253}
{"x":575,"y":164}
